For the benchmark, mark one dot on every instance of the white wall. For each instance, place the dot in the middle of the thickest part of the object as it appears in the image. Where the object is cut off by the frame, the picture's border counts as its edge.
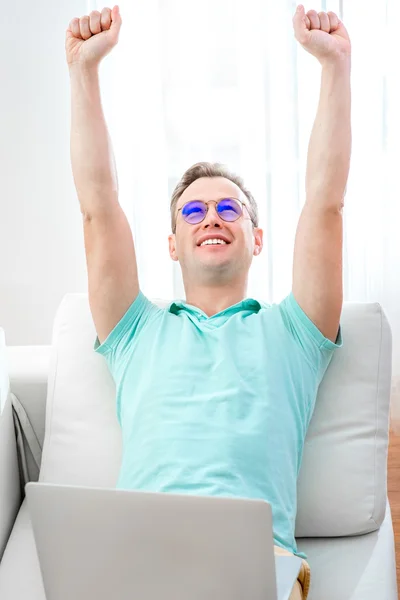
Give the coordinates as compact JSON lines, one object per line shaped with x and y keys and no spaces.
{"x":41,"y":238}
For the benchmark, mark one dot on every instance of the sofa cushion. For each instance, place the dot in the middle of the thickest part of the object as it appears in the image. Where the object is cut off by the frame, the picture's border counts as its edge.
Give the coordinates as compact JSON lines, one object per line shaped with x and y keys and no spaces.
{"x":362,"y":567}
{"x":20,"y":576}
{"x":342,"y":483}
{"x":355,"y":568}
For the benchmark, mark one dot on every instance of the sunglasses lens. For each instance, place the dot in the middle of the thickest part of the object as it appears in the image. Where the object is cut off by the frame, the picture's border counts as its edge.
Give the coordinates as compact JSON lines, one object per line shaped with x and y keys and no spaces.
{"x":229,"y":209}
{"x":194,"y":212}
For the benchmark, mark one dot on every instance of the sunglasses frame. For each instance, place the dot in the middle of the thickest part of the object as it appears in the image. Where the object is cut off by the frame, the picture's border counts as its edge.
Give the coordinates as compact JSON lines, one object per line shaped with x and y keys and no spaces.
{"x":216,"y":204}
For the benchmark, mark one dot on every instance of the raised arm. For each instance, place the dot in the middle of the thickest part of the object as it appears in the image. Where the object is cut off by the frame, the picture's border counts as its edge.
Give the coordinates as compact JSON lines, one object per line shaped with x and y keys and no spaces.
{"x":317,"y":264}
{"x":110,"y":254}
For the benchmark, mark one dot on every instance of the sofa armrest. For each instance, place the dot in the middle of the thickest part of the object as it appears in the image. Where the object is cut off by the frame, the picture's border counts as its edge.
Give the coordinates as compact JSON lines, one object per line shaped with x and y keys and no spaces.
{"x":28,"y":368}
{"x":10,"y":493}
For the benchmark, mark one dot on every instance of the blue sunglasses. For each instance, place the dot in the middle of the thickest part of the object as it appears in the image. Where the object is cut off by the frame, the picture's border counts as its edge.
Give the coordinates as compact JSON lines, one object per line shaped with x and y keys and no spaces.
{"x":195,"y":211}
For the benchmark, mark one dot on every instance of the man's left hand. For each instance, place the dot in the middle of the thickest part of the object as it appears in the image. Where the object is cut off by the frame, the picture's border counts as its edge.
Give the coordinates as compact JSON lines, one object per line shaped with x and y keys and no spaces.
{"x":322,"y":34}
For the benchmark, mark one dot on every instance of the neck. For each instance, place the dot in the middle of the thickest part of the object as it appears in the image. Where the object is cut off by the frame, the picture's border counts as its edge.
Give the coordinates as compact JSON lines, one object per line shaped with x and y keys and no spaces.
{"x":212,"y":299}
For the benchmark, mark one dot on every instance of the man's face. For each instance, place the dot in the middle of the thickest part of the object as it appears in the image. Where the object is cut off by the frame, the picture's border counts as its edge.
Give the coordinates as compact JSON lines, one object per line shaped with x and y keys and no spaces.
{"x":221,"y":262}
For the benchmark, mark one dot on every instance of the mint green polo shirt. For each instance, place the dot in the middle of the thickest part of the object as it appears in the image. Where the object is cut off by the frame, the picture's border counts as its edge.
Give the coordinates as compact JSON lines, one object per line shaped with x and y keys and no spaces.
{"x":217,"y":405}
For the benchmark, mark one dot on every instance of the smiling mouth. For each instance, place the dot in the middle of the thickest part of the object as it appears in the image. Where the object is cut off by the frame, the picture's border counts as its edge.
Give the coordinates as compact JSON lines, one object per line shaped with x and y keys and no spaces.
{"x":214,"y":242}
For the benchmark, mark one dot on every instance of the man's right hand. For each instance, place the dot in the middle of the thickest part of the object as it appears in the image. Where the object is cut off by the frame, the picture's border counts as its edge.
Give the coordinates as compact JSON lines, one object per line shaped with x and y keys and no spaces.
{"x":90,"y":38}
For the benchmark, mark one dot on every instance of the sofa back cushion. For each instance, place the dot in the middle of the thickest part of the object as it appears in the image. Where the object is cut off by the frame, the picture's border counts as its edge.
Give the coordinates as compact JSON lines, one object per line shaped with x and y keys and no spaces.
{"x":342,"y":482}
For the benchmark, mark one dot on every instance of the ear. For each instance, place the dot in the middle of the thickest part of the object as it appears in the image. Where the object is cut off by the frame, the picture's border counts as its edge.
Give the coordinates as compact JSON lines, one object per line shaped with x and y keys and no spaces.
{"x":172,"y":246}
{"x":258,"y":240}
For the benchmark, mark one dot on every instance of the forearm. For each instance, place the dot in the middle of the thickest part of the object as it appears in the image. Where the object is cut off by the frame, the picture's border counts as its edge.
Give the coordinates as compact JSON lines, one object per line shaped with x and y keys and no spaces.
{"x":92,"y":158}
{"x":329,"y":149}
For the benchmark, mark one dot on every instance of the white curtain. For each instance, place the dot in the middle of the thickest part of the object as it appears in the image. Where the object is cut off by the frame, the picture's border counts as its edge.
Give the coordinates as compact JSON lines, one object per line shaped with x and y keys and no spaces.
{"x":226,"y":81}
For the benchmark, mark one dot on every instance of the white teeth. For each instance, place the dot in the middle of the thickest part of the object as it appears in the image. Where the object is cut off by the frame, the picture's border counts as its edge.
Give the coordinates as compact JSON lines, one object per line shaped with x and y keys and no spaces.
{"x":213,"y":241}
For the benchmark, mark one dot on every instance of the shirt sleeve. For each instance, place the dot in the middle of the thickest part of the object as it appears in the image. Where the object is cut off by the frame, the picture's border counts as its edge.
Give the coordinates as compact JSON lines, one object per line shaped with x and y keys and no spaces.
{"x":318,"y":349}
{"x":115,"y":347}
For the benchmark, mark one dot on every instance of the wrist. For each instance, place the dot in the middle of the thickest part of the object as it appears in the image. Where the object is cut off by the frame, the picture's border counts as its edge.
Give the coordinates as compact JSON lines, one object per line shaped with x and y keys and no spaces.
{"x":337,"y":63}
{"x":83,"y":70}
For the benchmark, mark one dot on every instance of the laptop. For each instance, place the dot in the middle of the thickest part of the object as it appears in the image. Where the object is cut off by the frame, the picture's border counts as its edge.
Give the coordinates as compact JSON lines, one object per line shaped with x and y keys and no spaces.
{"x":96,"y":543}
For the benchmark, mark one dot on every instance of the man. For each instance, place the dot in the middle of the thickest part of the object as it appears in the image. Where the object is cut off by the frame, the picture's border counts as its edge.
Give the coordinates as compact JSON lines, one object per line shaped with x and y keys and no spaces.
{"x":215,"y":394}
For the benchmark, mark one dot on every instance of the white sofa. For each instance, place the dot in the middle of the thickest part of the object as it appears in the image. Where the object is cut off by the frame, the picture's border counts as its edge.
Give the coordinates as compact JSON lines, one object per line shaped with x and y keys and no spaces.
{"x":343,"y":523}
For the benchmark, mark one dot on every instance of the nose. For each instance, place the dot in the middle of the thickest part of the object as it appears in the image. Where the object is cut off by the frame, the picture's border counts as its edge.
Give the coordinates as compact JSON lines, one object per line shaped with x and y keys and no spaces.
{"x":212,"y":219}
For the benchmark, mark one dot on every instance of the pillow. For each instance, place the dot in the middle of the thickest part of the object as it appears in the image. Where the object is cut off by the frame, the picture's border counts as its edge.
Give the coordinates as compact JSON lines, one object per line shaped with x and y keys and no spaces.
{"x":342,"y":482}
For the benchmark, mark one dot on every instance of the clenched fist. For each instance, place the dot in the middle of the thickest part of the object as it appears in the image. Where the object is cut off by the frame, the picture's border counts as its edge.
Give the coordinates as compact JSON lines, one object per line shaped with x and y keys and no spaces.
{"x":322,"y":34}
{"x":90,"y":38}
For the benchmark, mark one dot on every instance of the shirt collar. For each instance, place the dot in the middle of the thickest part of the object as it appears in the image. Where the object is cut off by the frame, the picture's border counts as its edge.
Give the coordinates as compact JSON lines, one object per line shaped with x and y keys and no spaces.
{"x":247,"y":304}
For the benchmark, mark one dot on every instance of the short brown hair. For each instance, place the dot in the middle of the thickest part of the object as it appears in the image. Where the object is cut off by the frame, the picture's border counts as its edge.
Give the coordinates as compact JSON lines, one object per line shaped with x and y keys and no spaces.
{"x":207,"y":169}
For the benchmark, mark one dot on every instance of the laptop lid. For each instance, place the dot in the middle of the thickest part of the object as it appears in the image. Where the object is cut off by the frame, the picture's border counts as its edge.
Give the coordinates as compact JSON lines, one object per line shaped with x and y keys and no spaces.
{"x":103,"y":543}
